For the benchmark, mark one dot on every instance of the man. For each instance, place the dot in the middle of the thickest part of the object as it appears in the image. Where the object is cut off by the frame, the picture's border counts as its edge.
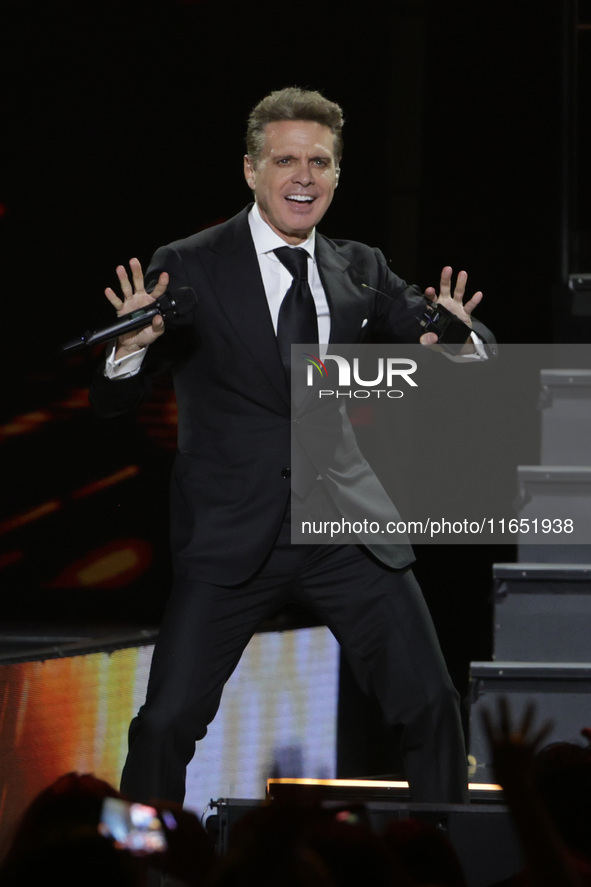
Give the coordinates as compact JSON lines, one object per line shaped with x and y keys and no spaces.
{"x":230,"y":515}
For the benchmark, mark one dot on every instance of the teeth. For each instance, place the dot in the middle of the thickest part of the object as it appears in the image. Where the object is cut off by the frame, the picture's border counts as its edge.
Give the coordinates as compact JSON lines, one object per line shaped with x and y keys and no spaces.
{"x":301,"y":198}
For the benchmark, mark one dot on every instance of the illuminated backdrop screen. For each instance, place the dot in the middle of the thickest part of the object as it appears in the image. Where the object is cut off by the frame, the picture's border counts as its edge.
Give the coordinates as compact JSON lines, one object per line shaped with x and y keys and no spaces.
{"x":278,"y":717}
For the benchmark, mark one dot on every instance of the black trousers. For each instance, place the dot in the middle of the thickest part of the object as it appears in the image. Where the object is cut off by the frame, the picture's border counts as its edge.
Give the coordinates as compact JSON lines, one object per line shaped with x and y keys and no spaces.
{"x":379,"y":617}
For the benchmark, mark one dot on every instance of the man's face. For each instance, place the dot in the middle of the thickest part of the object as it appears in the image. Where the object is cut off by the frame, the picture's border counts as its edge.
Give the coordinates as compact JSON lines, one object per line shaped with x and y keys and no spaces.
{"x":295,"y":177}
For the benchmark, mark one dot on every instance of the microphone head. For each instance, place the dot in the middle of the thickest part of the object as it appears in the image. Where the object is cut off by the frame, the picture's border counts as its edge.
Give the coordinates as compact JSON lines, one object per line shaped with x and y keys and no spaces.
{"x":177,"y":303}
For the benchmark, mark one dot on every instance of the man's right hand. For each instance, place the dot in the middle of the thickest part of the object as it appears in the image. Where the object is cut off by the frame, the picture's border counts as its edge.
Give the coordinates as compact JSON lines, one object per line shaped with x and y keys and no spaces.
{"x":134,"y":297}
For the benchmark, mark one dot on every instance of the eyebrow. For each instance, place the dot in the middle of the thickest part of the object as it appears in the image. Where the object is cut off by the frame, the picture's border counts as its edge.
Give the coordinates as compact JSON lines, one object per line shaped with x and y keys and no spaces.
{"x":293,"y":157}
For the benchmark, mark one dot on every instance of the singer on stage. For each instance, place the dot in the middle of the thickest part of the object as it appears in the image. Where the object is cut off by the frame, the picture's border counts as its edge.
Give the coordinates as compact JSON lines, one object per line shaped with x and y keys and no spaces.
{"x":262,"y":280}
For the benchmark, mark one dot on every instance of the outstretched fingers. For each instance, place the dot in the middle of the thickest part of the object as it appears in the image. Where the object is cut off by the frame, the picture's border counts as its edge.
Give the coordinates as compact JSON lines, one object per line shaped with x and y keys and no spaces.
{"x":161,"y":286}
{"x":445,"y":282}
{"x":113,"y":298}
{"x":459,"y":291}
{"x":126,"y":288}
{"x":460,"y":287}
{"x":133,"y":291}
{"x":137,"y":275}
{"x":472,"y":303}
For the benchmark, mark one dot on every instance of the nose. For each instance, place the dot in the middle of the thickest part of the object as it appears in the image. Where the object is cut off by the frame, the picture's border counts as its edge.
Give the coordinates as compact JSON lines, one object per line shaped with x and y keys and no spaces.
{"x":303,"y":175}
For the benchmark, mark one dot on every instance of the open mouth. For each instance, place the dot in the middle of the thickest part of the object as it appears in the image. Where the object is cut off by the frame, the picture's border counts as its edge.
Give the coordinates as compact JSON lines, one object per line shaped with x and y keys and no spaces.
{"x":302,"y":199}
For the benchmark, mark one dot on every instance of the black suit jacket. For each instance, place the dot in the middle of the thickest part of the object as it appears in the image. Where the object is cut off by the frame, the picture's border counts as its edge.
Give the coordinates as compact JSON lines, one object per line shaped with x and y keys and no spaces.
{"x":230,"y":482}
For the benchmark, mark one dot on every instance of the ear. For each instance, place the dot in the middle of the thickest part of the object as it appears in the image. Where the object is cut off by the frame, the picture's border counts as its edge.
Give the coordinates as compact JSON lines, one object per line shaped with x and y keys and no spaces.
{"x":337,"y":173}
{"x":249,"y":172}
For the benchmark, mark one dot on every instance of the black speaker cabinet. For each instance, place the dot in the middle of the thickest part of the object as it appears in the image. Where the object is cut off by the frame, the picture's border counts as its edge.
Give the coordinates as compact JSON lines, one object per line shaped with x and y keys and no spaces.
{"x":565,"y":403}
{"x":482,"y":835}
{"x":561,"y":692}
{"x":542,"y":612}
{"x":555,"y":514}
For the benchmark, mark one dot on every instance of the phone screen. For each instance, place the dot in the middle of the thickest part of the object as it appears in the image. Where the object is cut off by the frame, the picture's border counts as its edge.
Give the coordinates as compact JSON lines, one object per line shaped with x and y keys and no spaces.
{"x":133,"y":827}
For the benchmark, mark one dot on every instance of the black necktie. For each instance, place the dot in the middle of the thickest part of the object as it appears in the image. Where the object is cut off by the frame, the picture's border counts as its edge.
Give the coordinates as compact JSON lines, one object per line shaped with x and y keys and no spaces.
{"x":297,"y":315}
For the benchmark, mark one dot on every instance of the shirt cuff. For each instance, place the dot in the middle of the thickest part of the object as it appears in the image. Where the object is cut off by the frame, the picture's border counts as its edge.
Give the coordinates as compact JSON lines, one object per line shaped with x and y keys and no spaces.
{"x":126,"y":366}
{"x":480,"y":352}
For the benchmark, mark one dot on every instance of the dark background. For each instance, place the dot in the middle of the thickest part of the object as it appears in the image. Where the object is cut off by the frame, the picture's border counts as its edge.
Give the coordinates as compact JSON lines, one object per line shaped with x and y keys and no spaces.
{"x":123,"y":126}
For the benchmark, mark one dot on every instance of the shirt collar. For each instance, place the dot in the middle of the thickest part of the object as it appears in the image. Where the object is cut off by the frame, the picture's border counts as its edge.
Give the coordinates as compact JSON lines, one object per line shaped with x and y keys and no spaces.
{"x":266,"y":240}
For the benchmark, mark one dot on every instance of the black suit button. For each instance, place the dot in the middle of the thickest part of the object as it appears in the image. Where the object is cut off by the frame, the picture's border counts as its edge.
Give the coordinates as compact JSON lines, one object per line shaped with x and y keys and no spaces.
{"x":286,"y":472}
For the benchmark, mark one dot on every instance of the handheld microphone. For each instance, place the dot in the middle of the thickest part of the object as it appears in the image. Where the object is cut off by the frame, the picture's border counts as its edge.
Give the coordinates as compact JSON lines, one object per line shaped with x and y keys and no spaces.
{"x":168,"y":306}
{"x":434,"y":318}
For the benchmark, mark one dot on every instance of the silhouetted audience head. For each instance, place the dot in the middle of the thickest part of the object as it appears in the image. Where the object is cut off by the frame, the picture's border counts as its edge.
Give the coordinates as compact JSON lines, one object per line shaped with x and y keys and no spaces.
{"x":355,"y":855}
{"x":58,"y":836}
{"x":562,"y":773}
{"x":79,"y":860}
{"x":425,"y":852}
{"x":70,"y":802}
{"x":268,"y":846}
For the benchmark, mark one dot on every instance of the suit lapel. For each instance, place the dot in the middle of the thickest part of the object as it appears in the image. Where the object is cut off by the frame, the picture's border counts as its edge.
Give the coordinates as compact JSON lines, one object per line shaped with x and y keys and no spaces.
{"x":234,"y":270}
{"x":347,"y":301}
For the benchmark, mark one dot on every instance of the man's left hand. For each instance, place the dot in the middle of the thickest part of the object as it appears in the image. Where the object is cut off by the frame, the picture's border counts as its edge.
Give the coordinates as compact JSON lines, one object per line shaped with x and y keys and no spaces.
{"x":453,"y":302}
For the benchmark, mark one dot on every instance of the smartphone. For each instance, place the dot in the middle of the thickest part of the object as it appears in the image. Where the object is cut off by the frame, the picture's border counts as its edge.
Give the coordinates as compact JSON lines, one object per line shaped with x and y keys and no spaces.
{"x":131,"y":826}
